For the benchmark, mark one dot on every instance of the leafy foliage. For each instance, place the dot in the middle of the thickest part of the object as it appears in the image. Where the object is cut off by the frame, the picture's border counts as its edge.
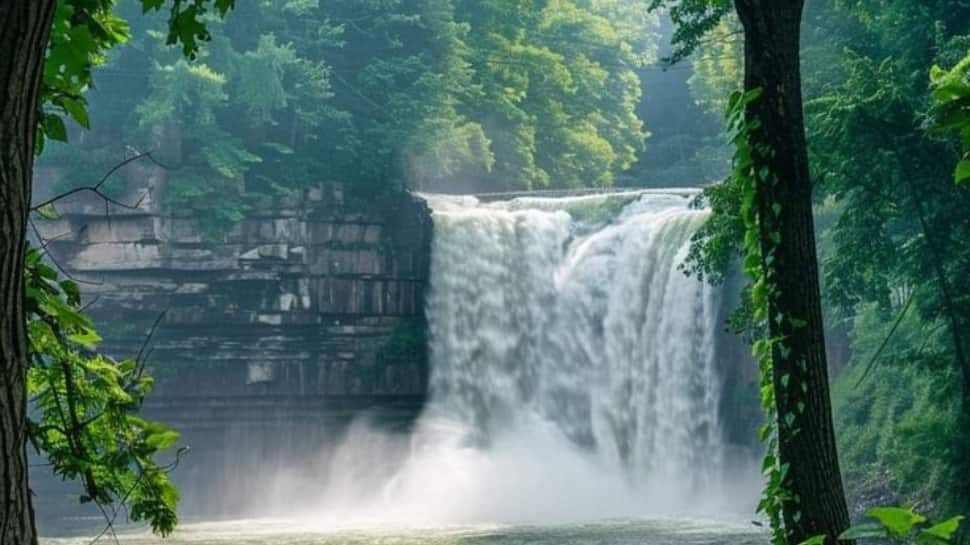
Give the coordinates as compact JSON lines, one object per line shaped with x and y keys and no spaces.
{"x":718,"y":68}
{"x":87,"y":422}
{"x":901,"y":411}
{"x":82,"y":33}
{"x":186,"y":21}
{"x":951,"y":109}
{"x":899,"y":230}
{"x":377,"y":96}
{"x":694,"y":19}
{"x":900,"y":525}
{"x":747,"y":178}
{"x":558,"y":89}
{"x":85,"y":404}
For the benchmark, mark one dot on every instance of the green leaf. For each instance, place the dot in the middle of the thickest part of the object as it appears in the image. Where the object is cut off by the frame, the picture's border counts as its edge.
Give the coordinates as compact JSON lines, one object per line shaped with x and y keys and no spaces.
{"x":943,"y":531}
{"x":77,"y":110}
{"x":87,"y":338}
{"x":54,"y":127}
{"x":48,"y":212}
{"x":151,"y":5}
{"x":223,"y":6}
{"x":71,"y":291}
{"x":868,"y":530}
{"x":752,"y":95}
{"x":789,"y":419}
{"x":814,"y":540}
{"x":897,"y":520}
{"x":162,"y":439}
{"x":962,"y":173}
{"x":187,"y":28}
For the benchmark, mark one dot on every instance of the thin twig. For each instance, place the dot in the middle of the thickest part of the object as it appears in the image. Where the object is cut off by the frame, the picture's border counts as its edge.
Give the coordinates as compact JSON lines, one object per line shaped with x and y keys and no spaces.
{"x":97,"y":192}
{"x":46,"y":241}
{"x":152,"y":158}
{"x":50,"y":256}
{"x":875,"y":357}
{"x":89,"y":303}
{"x":109,"y":524}
{"x":96,"y":188}
{"x":142,"y":356}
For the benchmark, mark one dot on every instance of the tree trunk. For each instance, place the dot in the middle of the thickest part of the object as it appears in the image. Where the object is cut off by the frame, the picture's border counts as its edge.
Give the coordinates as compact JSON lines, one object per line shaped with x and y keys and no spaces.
{"x":24,"y":31}
{"x":800,"y":375}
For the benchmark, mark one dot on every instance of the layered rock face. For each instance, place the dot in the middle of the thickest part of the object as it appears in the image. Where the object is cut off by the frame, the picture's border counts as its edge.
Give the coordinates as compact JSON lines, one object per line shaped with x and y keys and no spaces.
{"x":270,"y":339}
{"x":304,"y":306}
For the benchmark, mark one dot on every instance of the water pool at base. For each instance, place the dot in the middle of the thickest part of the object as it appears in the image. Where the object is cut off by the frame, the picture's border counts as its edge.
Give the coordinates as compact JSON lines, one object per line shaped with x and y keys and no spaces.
{"x":281,"y":532}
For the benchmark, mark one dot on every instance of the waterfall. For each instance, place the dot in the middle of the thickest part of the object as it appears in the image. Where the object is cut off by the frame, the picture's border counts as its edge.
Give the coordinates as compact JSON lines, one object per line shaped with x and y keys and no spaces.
{"x":554,"y":309}
{"x":573,"y":371}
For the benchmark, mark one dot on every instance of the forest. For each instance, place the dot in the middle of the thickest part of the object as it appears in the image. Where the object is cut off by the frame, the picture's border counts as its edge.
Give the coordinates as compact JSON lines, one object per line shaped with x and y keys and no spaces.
{"x":826,"y":144}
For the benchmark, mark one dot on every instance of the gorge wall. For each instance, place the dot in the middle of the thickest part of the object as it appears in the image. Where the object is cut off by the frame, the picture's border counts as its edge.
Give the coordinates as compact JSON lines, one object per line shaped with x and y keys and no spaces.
{"x":270,"y":338}
{"x":306,"y":303}
{"x":280,"y":342}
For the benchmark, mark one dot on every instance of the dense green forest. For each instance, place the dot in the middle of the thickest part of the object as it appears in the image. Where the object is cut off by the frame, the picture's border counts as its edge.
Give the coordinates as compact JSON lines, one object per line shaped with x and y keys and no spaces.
{"x":892,"y":227}
{"x":425,"y":94}
{"x":895,"y":253}
{"x":460,"y":96}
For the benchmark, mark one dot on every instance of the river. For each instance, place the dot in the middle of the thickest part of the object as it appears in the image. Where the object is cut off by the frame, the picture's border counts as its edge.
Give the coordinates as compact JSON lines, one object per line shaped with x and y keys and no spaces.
{"x":277,"y":532}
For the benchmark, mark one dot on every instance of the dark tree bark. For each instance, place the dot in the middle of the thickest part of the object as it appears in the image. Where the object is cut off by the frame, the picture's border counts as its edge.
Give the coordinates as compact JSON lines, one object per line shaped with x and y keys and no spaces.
{"x":24,"y":31}
{"x":807,"y":445}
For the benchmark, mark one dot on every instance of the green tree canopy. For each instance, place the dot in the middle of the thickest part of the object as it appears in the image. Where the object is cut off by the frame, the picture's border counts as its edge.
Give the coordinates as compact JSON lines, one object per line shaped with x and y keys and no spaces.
{"x":376,"y":95}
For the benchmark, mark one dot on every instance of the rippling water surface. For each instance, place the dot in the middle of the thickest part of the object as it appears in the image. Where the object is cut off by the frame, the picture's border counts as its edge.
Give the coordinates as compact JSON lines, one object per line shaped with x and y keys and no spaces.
{"x":278,"y":532}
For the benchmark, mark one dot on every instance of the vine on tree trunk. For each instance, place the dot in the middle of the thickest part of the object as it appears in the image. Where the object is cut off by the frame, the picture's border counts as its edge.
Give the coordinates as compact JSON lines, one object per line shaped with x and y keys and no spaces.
{"x":758,"y":253}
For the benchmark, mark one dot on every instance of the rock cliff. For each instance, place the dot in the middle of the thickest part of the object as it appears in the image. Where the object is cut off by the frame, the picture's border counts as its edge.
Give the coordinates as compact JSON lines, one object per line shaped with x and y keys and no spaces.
{"x":306,"y":305}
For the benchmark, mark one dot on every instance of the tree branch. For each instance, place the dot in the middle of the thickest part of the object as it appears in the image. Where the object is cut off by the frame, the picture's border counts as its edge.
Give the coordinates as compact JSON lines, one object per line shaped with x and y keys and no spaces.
{"x":96,"y":188}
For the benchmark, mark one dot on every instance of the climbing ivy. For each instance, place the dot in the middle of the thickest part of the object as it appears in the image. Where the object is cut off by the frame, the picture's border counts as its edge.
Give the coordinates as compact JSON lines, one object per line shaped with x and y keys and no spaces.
{"x":738,"y":226}
{"x":758,"y":257}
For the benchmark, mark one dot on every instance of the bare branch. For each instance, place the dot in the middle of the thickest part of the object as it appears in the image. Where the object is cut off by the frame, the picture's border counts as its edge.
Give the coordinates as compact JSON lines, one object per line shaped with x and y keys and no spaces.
{"x":96,"y":188}
{"x":89,"y":304}
{"x":142,"y":358}
{"x":43,"y":246}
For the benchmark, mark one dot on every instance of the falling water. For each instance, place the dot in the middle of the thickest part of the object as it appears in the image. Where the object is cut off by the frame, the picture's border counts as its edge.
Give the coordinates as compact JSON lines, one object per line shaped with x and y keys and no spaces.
{"x":574,"y":372}
{"x":577,"y":378}
{"x":584,"y":322}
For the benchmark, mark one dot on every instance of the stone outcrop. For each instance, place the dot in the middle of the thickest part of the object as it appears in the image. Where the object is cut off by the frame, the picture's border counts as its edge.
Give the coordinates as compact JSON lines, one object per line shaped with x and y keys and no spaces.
{"x":303,"y":305}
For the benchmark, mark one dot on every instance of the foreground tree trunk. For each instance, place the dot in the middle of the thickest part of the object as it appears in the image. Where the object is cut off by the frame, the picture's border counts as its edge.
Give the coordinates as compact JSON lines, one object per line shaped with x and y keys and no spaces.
{"x":800,"y":375}
{"x":24,"y":30}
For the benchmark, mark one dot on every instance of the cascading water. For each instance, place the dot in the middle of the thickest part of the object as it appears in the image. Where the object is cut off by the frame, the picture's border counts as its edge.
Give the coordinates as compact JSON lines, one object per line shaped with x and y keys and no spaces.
{"x":537,"y":311}
{"x":574,"y":372}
